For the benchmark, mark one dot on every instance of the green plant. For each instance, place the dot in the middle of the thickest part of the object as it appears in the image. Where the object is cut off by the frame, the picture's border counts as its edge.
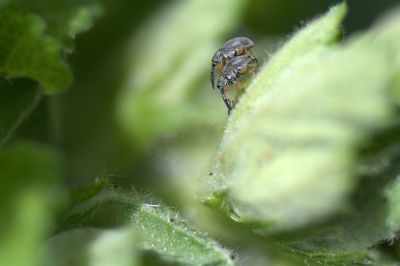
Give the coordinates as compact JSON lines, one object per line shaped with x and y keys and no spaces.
{"x":306,"y":170}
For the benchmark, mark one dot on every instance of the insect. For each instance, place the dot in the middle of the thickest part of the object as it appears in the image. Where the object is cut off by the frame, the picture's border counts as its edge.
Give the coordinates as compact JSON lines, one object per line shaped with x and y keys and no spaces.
{"x":231,"y":72}
{"x":230,"y":49}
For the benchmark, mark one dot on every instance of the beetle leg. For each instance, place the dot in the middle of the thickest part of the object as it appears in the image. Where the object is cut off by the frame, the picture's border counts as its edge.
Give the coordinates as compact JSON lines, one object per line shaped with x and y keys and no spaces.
{"x":227,"y":102}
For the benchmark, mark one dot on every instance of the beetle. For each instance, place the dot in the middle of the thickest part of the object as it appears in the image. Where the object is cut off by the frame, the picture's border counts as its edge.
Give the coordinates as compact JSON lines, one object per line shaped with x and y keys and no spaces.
{"x":234,"y":47}
{"x":232,"y":71}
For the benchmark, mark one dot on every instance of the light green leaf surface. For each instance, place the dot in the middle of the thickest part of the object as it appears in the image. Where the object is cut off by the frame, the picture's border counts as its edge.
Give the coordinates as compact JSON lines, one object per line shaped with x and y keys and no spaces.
{"x":319,"y":33}
{"x":29,"y":177}
{"x":292,"y":163}
{"x":170,"y":56}
{"x":257,"y":164}
{"x":349,"y":238}
{"x":94,"y":247}
{"x":17,"y":100}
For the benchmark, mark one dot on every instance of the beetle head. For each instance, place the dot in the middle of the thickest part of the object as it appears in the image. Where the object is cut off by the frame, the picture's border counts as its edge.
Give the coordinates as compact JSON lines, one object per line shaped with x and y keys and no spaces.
{"x":218,"y":58}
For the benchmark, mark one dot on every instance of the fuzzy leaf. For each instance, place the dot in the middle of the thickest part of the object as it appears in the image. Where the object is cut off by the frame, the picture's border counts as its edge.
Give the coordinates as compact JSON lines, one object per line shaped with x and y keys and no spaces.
{"x":321,"y":32}
{"x":17,"y":99}
{"x":373,"y":218}
{"x":166,"y":234}
{"x":257,"y":171}
{"x":160,"y":232}
{"x":294,"y":167}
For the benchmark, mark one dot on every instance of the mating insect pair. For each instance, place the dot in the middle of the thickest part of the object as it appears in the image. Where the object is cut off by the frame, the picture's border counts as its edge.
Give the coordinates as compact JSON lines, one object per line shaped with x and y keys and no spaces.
{"x":235,"y":60}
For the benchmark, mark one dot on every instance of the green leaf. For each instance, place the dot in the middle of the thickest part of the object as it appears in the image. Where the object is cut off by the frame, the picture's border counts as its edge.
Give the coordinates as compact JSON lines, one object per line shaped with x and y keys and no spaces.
{"x":100,"y":205}
{"x":319,"y":33}
{"x":32,"y":43}
{"x":313,"y":165}
{"x":29,"y":176}
{"x":82,"y":194}
{"x":373,"y":217}
{"x":170,"y":56}
{"x":89,"y":246}
{"x":293,"y":164}
{"x":26,"y":51}
{"x":156,"y":233}
{"x":65,"y":19}
{"x":17,"y":99}
{"x":33,"y":36}
{"x":161,"y":231}
{"x":257,"y":169}
{"x":166,"y":234}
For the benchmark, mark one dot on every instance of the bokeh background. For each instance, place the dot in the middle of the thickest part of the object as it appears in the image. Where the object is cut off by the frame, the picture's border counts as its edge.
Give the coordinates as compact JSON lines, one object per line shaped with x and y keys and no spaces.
{"x":141,"y":110}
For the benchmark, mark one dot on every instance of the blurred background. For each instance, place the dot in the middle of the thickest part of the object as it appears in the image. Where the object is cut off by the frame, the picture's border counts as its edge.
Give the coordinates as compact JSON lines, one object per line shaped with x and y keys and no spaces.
{"x":141,"y":110}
